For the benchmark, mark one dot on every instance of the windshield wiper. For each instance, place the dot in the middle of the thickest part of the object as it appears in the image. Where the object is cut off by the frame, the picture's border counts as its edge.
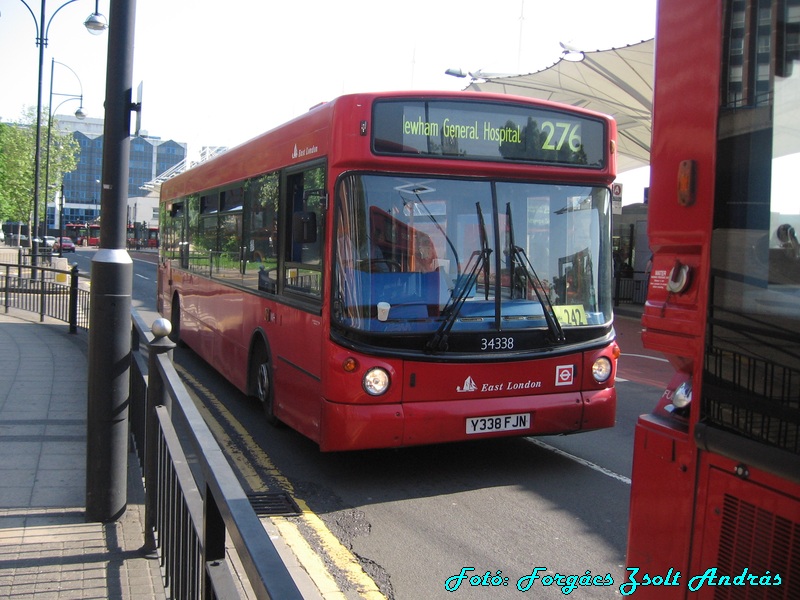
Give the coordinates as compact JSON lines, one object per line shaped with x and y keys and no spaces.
{"x":517,"y":256}
{"x":478,"y":262}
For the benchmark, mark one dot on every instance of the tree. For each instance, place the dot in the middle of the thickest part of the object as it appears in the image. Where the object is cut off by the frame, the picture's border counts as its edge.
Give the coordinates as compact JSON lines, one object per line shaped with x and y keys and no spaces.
{"x":16,"y":173}
{"x":17,"y":153}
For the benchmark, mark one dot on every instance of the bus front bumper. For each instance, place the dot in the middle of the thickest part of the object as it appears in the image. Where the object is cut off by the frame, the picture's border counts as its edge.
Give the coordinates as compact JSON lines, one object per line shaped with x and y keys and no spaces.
{"x":357,"y":427}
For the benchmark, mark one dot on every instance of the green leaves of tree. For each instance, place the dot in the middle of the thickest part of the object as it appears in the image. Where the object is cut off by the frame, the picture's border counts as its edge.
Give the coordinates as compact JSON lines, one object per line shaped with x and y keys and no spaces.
{"x":17,"y":153}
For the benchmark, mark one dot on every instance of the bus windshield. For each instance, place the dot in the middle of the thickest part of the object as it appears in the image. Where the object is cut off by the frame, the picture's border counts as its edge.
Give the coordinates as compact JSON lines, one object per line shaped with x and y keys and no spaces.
{"x":441,"y":257}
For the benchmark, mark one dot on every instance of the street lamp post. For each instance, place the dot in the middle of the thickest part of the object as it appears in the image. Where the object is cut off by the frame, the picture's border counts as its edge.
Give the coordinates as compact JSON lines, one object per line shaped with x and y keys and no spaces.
{"x":61,"y":224}
{"x":80,"y":114}
{"x":95,"y":24}
{"x":112,"y":284}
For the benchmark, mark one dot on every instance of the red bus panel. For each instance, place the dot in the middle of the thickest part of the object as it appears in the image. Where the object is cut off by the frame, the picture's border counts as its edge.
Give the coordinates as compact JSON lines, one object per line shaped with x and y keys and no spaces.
{"x":716,"y":472}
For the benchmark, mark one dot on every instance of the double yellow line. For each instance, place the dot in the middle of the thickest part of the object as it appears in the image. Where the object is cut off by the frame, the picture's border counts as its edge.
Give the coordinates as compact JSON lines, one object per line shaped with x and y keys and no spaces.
{"x":311,"y":561}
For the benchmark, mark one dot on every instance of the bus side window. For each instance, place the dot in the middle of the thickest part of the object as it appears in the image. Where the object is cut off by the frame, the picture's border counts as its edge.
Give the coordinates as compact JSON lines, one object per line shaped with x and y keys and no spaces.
{"x":305,"y":227}
{"x":261,"y":226}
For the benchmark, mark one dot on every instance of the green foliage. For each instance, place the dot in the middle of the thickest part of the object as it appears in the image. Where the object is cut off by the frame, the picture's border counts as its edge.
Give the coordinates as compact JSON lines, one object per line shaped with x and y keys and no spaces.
{"x":17,"y":154}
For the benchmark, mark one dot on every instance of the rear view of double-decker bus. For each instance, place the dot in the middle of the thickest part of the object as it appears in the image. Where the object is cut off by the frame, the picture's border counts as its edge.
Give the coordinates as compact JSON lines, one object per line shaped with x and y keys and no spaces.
{"x":715,"y":500}
{"x":406,"y":268}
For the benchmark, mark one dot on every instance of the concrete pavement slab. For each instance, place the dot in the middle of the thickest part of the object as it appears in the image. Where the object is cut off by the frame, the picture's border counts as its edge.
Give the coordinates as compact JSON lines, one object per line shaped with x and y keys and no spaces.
{"x":47,"y":549}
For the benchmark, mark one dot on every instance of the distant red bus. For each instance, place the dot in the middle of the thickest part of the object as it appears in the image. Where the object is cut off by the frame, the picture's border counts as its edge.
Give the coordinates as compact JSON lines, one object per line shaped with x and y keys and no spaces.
{"x":408,"y":268}
{"x":142,"y":237}
{"x":83,"y":234}
{"x":151,"y":237}
{"x":715,"y":497}
{"x":94,"y":234}
{"x":77,"y":232}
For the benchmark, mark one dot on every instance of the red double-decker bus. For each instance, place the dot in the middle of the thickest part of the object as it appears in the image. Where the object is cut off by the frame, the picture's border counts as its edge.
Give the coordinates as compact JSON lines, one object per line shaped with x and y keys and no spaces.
{"x":404,"y":268}
{"x":715,"y":499}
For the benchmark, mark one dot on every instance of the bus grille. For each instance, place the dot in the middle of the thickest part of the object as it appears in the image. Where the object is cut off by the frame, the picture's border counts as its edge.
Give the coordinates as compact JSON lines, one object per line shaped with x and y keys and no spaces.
{"x":758,"y":540}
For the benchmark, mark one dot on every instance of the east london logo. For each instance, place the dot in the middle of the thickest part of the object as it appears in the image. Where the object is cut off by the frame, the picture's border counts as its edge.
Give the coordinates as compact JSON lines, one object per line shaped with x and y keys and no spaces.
{"x":307,"y":151}
{"x":565,"y":375}
{"x":470,"y":386}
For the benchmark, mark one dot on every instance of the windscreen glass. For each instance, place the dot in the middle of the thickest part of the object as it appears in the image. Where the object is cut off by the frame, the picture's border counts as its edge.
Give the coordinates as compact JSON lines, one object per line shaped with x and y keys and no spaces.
{"x":426,"y":255}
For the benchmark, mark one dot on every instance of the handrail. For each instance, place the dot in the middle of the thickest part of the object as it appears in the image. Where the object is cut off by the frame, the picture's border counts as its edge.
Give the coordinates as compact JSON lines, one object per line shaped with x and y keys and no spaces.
{"x":187,"y":519}
{"x":47,"y":297}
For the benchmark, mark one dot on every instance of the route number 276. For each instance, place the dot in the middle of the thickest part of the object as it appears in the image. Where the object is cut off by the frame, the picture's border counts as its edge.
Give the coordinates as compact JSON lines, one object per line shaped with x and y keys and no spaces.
{"x":560,"y":133}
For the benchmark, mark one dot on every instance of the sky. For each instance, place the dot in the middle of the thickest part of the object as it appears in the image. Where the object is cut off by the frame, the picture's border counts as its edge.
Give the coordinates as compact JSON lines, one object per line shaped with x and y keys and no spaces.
{"x":220,"y":73}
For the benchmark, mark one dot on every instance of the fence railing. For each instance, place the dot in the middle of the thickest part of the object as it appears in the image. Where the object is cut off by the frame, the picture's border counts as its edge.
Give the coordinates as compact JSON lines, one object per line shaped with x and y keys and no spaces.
{"x":190,"y":512}
{"x":630,"y":290}
{"x":52,"y":293}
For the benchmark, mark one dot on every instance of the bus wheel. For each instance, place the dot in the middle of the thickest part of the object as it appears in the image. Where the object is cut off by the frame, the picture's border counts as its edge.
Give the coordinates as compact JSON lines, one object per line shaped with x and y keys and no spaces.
{"x":175,"y":318}
{"x":263,"y":385}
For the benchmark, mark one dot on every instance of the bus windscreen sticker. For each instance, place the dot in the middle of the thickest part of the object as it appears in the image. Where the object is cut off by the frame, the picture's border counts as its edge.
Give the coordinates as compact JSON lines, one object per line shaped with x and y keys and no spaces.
{"x":488,"y":131}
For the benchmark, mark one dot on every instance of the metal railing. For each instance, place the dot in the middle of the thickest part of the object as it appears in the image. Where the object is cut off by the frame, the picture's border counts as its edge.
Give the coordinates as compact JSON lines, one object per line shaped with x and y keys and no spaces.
{"x":190,"y":512}
{"x":53,"y":293}
{"x":630,"y":290}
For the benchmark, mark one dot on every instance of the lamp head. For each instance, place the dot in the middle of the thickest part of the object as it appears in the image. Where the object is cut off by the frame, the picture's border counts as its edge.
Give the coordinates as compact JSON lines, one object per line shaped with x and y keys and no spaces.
{"x":96,"y":23}
{"x":455,"y":73}
{"x":571,"y":53}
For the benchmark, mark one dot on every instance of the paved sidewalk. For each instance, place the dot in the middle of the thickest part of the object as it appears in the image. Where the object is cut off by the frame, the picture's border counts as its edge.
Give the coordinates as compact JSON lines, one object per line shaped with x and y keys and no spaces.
{"x":47,"y":549}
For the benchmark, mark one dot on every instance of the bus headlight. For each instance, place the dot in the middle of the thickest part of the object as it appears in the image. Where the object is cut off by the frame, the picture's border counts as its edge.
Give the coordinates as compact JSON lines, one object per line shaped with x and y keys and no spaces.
{"x":683,"y":395}
{"x":601,"y":369}
{"x":376,"y":381}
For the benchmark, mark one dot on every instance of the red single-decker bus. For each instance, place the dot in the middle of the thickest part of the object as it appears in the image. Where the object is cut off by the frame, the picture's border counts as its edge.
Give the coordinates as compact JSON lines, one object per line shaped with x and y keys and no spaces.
{"x":404,"y":268}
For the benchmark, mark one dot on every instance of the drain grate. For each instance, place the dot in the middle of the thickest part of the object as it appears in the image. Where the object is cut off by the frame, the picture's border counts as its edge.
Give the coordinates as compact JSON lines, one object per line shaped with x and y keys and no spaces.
{"x":273,"y":504}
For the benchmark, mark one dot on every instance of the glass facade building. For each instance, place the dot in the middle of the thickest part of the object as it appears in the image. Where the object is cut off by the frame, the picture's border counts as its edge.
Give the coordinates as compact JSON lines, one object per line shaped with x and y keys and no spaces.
{"x":149,"y":157}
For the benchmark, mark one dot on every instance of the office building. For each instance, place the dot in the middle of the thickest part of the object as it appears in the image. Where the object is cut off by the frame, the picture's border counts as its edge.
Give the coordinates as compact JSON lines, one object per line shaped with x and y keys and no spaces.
{"x":149,"y":157}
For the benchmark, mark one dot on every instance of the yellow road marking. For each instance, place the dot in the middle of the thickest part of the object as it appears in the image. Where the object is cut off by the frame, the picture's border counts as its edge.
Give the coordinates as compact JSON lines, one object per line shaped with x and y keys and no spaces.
{"x":310,"y":560}
{"x":338,"y":554}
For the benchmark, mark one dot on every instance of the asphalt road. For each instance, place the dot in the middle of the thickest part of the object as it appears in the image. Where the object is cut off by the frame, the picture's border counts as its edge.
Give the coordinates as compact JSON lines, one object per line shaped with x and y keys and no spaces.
{"x":416,"y":518}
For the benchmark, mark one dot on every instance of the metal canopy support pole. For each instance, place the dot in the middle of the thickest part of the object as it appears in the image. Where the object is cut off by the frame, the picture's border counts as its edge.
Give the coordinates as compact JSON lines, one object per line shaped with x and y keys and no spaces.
{"x":110,"y":300}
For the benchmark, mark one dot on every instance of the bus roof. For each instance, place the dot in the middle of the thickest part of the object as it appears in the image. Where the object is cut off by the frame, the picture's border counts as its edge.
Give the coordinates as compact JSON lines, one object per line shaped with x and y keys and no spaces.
{"x":303,"y":138}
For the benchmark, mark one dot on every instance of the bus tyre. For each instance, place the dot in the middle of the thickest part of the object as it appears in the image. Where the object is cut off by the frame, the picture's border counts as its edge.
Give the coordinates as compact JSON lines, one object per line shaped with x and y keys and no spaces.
{"x":263,"y":385}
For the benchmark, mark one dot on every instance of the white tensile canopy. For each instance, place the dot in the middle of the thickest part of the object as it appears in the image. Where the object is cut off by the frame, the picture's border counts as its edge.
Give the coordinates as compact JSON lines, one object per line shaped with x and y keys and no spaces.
{"x":617,"y":82}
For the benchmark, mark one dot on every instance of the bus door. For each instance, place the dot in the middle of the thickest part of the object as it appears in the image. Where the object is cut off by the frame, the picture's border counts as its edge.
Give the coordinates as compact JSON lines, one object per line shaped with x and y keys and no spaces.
{"x":296,"y":331}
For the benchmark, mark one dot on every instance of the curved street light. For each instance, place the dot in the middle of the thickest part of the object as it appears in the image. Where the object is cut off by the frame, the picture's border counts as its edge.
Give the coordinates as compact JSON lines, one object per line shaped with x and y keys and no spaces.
{"x":95,"y":24}
{"x":79,"y":114}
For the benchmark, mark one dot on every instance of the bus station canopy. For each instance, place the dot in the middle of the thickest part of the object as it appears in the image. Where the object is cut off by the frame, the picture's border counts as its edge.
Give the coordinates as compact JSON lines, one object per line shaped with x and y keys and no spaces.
{"x":617,"y":82}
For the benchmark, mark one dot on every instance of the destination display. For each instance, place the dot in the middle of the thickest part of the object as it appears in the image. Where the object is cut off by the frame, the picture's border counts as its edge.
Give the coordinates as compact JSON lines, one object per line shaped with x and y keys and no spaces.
{"x":487,"y":131}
